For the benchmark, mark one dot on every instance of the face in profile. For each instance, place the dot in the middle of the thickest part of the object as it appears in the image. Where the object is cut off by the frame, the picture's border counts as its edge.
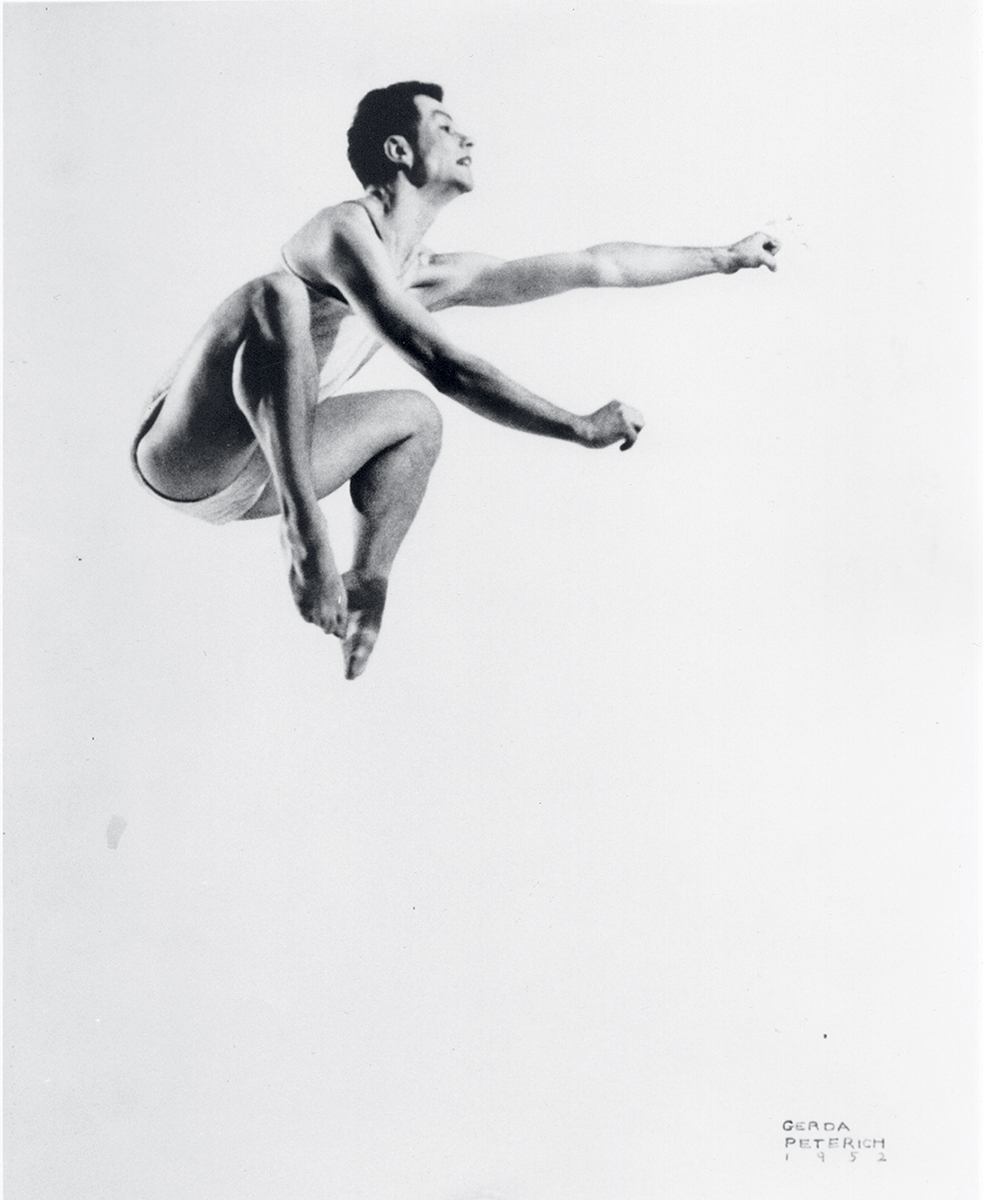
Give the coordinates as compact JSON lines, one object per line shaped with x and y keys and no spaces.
{"x":443,"y":151}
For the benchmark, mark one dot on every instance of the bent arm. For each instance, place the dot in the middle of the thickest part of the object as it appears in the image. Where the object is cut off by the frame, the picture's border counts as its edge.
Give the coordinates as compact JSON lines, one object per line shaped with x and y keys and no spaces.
{"x":356,"y":263}
{"x":475,"y":279}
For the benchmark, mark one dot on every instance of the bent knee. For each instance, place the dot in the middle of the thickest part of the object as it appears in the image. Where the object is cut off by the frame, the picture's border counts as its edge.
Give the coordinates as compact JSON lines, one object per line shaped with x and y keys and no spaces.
{"x":423,"y":417}
{"x":278,"y":301}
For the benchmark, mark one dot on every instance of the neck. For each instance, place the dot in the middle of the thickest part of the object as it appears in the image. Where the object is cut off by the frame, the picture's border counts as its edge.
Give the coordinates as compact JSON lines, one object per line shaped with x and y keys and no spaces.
{"x":404,"y":213}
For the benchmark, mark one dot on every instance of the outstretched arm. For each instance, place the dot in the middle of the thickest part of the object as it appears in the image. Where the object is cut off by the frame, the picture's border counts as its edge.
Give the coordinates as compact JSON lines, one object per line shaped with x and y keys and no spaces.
{"x":356,"y":263}
{"x":476,"y":279}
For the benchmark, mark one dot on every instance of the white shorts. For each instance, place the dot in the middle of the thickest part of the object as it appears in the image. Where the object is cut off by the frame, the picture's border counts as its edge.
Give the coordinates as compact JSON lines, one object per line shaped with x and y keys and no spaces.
{"x":231,"y":503}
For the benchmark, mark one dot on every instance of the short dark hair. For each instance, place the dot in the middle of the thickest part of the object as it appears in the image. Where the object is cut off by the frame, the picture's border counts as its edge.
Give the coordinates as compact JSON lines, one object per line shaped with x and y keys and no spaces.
{"x":380,"y":114}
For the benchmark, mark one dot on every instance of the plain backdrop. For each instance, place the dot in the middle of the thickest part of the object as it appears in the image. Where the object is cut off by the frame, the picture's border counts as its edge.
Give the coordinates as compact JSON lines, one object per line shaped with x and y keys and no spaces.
{"x":650,"y":827}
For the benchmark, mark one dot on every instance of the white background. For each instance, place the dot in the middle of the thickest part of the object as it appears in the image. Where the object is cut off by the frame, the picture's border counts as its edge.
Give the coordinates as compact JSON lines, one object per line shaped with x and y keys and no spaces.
{"x":650,"y":826}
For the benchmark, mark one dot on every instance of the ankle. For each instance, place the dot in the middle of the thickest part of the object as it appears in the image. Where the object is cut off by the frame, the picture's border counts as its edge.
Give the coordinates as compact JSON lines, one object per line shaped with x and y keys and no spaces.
{"x":367,"y":576}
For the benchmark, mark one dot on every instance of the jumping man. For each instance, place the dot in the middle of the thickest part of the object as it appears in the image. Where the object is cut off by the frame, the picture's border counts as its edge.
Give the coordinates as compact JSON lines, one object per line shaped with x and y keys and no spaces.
{"x":252,"y":422}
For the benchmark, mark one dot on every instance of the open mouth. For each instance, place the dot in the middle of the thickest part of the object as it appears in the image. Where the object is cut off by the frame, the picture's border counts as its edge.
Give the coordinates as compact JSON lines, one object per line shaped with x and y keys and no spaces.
{"x":464,"y":162}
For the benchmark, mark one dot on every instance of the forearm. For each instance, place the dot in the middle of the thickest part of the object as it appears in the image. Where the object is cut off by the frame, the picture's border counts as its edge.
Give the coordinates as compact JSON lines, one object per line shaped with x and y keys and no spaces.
{"x":489,"y":392}
{"x":632,"y":264}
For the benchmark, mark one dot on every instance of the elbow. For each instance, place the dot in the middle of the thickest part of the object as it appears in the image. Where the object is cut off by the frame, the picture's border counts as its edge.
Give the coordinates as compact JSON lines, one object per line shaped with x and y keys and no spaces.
{"x":603,"y":271}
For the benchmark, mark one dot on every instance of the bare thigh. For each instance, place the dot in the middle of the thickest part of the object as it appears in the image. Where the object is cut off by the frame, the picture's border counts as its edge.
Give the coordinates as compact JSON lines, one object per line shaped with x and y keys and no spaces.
{"x":201,"y":439}
{"x":350,"y":431}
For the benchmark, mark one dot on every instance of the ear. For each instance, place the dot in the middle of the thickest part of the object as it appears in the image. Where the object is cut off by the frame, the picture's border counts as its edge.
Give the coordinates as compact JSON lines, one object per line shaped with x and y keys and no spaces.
{"x":398,"y":150}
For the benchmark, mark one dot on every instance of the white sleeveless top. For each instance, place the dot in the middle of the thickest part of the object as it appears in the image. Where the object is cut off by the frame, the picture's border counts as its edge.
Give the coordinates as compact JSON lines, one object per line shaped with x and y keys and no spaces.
{"x":343,"y":341}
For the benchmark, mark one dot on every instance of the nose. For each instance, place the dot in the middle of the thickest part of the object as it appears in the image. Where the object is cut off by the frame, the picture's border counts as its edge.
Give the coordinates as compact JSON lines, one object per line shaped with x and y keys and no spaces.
{"x":467,"y":142}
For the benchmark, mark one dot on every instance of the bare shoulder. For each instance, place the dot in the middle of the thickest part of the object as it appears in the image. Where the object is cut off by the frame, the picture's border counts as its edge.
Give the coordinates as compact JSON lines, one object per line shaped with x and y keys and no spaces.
{"x":338,"y":229}
{"x":348,"y":217}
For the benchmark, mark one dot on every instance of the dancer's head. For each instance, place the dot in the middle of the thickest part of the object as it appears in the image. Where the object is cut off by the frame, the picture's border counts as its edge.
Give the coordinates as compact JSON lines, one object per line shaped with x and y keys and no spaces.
{"x":381,"y":115}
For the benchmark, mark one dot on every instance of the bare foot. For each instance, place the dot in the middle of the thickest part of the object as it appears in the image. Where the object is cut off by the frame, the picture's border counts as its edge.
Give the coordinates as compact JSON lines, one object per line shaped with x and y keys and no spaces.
{"x":366,"y":600}
{"x":315,"y":583}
